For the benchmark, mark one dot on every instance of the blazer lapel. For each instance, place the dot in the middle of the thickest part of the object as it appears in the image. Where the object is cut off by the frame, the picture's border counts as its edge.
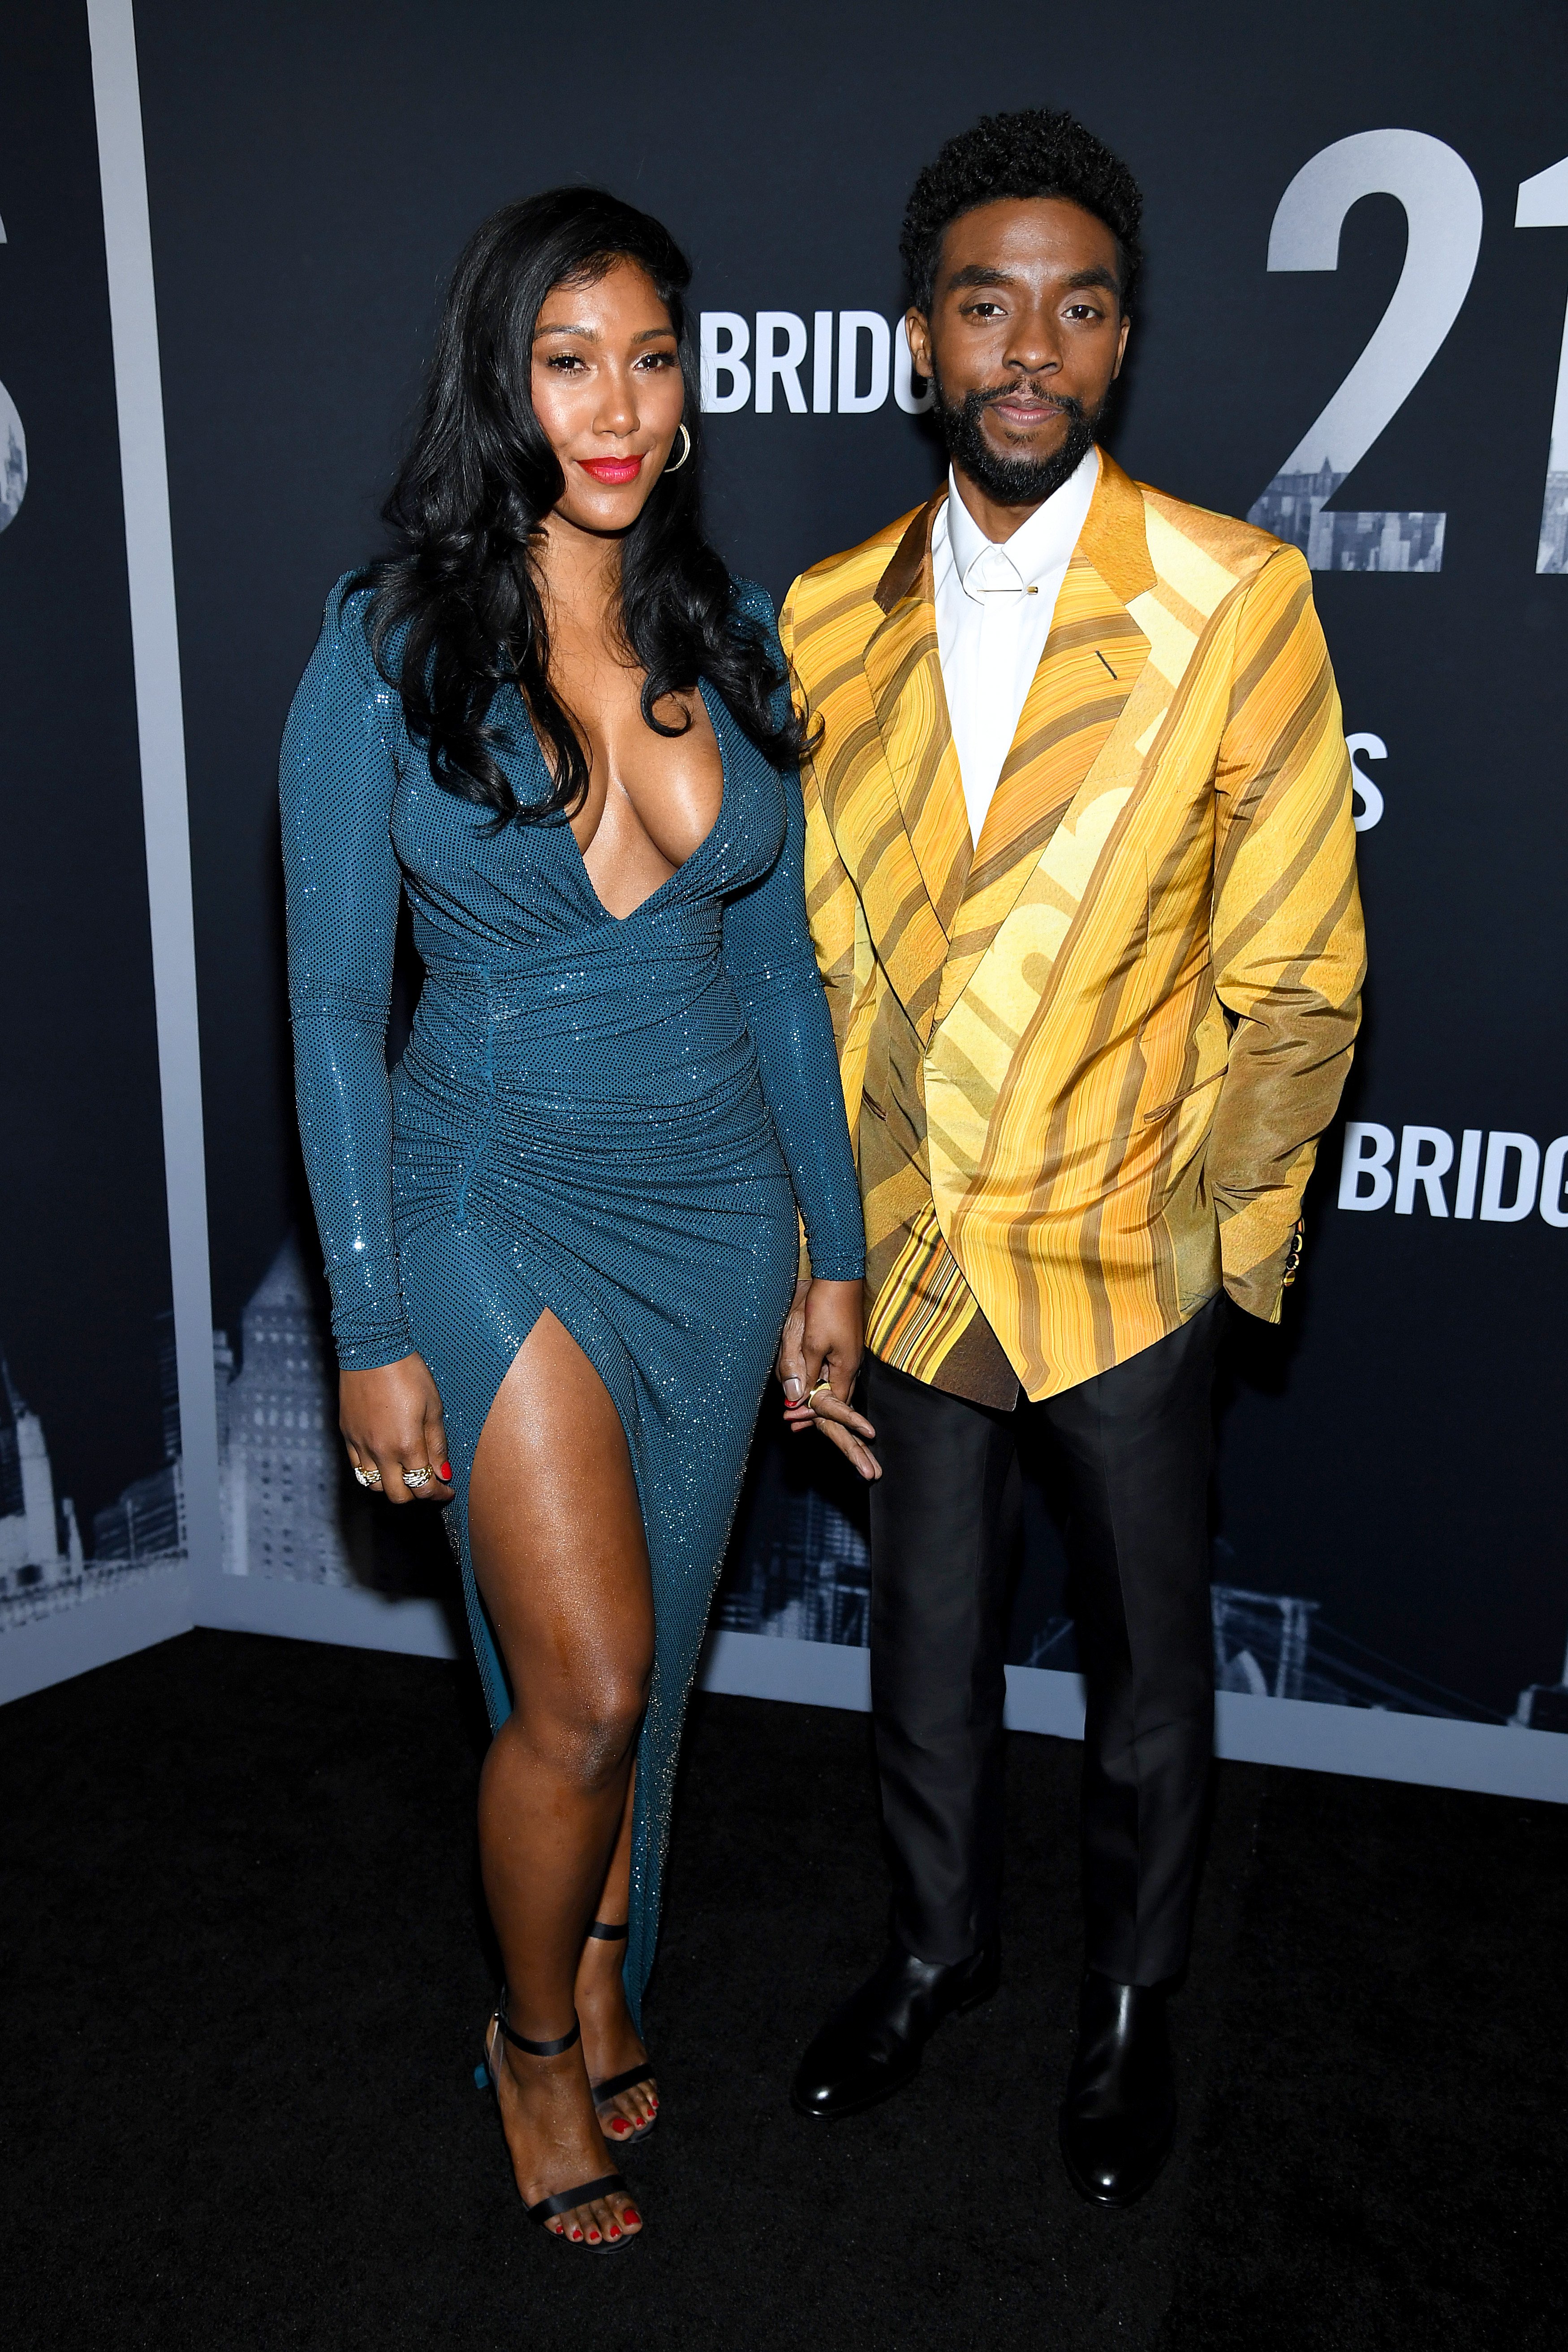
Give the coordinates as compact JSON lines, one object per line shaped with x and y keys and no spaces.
{"x":1094,"y":661}
{"x":903,"y":671}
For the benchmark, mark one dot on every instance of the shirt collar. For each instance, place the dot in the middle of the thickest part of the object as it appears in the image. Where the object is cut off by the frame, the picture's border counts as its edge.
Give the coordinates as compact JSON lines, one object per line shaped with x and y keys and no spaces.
{"x":1043,"y":544}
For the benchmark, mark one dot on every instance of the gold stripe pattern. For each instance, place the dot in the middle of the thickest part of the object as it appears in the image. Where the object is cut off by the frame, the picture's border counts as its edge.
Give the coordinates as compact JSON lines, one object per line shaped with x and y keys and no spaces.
{"x":1087,"y":1059}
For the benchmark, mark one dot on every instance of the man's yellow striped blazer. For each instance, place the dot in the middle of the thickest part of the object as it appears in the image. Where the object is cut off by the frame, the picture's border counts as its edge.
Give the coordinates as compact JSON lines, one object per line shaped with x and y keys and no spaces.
{"x":1087,"y":1059}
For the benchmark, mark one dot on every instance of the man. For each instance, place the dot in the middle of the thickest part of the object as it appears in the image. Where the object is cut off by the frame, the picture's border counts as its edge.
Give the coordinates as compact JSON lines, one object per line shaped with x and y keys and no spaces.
{"x":1081,"y":874}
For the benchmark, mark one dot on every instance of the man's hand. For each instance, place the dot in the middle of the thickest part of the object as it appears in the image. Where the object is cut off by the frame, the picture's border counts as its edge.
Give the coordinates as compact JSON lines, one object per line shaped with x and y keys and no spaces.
{"x":394,"y":1429}
{"x":819,"y":1357}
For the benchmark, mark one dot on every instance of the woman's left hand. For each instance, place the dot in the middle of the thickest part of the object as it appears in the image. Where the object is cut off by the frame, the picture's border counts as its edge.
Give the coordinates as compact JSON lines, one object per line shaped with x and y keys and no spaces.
{"x":819,"y":1357}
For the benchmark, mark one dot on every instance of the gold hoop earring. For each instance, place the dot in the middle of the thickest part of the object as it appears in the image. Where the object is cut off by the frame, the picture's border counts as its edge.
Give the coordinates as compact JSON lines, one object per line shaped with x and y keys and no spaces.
{"x":685,"y":453}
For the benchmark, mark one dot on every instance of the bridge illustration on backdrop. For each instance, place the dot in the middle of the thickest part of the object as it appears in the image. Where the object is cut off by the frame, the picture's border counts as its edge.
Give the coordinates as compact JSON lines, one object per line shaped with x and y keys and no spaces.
{"x":802,"y":1569}
{"x":808,"y":1578}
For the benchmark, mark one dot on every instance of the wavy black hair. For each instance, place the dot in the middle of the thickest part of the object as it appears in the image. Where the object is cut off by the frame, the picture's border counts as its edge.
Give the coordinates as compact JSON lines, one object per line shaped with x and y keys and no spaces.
{"x":1035,"y":153}
{"x":456,"y":613}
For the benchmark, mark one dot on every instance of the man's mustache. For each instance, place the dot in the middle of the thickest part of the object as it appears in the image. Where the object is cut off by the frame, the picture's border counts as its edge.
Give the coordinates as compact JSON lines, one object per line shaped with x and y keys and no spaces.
{"x":1064,"y":401}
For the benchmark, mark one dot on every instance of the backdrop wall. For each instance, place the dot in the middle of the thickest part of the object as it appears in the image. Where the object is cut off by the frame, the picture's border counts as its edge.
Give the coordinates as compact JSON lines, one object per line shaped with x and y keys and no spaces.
{"x":1352,"y":327}
{"x":95,"y":1513}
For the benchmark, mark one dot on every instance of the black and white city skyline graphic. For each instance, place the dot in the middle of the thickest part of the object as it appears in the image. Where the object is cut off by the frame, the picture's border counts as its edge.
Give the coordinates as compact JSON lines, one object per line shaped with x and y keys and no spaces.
{"x":799,"y":1571}
{"x":279,"y":1464}
{"x":807,"y":1575}
{"x":1552,"y":556}
{"x":13,"y":459}
{"x":1295,"y":509}
{"x":13,"y":450}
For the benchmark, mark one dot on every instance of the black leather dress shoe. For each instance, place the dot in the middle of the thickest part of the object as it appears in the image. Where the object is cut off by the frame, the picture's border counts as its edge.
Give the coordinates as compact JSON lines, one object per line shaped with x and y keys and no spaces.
{"x":871,"y":2046}
{"x":1120,"y":2113}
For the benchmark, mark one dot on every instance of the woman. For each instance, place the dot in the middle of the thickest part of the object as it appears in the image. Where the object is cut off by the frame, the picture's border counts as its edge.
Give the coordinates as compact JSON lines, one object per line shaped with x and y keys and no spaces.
{"x":562,"y":1240}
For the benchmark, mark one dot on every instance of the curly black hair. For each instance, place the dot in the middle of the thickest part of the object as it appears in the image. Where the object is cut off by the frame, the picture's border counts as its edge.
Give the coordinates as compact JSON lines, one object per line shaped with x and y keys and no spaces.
{"x":1035,"y":153}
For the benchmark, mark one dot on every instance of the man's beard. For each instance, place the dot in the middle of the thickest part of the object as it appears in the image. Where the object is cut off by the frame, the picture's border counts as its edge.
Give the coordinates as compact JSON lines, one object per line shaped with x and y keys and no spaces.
{"x":1014,"y":481}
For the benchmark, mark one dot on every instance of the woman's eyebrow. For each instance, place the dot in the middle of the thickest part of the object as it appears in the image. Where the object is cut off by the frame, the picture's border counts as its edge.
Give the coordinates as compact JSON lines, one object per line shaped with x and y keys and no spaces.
{"x":591,"y":334}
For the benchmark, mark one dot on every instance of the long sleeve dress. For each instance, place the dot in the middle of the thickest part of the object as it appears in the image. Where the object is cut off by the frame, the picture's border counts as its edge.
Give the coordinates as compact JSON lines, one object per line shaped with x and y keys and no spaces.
{"x":614,"y":1119}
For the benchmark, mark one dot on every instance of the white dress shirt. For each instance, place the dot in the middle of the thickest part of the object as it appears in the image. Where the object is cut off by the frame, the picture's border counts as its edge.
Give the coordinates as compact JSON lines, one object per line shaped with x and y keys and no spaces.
{"x":995,"y":600}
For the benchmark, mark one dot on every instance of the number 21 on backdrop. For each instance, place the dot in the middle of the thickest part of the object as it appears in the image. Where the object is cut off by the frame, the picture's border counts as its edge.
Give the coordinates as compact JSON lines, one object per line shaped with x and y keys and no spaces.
{"x":1443,"y":214}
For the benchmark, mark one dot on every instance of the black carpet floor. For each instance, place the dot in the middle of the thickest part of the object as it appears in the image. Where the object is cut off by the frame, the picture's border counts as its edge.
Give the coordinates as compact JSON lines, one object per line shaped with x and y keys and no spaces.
{"x":245,"y":1974}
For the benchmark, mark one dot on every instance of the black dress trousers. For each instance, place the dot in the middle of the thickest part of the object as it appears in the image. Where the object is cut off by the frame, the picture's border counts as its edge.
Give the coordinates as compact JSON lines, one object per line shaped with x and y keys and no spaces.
{"x":1135,"y":1444}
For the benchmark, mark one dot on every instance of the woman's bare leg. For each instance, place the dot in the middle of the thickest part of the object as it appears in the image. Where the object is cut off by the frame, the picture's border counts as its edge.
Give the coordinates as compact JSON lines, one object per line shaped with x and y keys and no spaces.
{"x":610,"y":2042}
{"x":560,"y":1559}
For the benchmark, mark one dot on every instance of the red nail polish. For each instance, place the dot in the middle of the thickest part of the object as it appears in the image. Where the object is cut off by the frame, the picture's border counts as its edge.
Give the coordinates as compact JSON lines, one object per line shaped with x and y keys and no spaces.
{"x":614,"y":2229}
{"x":620,"y":2123}
{"x":632,"y":2214}
{"x":446,"y":1470}
{"x":576,"y":2234}
{"x":593,"y":2237}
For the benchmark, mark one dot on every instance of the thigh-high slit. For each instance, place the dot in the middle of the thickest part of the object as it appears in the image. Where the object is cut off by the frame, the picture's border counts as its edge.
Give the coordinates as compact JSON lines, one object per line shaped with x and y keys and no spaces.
{"x":686,"y":1399}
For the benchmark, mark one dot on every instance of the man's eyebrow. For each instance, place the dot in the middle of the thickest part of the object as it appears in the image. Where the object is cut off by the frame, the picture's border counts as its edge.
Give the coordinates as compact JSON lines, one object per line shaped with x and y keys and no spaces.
{"x":977,"y":274}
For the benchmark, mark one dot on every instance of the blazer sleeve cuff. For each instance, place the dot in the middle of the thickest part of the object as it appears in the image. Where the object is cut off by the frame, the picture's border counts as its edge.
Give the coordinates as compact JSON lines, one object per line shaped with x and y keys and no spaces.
{"x":1261,"y":1250}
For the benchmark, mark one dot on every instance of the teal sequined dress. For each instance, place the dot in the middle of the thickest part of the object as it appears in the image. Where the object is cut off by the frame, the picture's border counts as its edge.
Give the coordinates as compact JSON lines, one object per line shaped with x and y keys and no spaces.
{"x":614,"y":1119}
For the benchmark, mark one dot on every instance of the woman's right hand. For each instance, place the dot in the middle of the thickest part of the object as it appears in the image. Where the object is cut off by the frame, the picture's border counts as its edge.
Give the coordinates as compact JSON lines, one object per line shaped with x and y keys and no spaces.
{"x":392,"y":1423}
{"x":819,"y":1357}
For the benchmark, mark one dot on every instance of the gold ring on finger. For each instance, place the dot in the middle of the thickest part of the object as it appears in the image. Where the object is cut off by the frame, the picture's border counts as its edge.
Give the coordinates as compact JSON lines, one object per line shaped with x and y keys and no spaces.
{"x":419,"y":1477}
{"x":366,"y":1477}
{"x":817,"y":1390}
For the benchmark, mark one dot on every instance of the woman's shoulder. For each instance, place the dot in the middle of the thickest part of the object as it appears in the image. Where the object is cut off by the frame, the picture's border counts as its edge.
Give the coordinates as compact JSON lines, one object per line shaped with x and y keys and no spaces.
{"x":750,"y":602}
{"x":343,"y":669}
{"x":349,"y":642}
{"x":750,"y":597}
{"x":345,"y":616}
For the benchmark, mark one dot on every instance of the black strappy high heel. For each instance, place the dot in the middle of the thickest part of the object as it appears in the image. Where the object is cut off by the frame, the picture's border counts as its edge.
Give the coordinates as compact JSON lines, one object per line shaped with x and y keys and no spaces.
{"x":564,"y":2199}
{"x":613,"y":2084}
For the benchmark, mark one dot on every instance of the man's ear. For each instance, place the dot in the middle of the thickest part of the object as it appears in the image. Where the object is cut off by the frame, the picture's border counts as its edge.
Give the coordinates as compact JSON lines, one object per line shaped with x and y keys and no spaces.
{"x":917,"y":328}
{"x":1122,"y":346}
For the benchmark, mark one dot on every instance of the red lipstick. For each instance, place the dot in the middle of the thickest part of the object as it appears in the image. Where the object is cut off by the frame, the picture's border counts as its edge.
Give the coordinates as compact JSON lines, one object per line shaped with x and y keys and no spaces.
{"x":611,"y":470}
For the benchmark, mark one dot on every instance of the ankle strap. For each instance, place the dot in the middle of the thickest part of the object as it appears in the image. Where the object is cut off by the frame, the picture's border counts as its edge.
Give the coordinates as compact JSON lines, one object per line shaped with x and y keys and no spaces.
{"x":604,"y":1933}
{"x":538,"y":2049}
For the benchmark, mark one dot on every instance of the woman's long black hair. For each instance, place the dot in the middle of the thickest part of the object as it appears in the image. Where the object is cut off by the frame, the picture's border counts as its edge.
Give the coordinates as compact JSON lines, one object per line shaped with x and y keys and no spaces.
{"x":458,"y":590}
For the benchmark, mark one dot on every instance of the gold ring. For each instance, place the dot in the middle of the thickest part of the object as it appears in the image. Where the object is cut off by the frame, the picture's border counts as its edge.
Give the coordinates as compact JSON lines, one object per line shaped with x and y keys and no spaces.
{"x":417,"y":1478}
{"x":817,"y":1390}
{"x":366,"y":1477}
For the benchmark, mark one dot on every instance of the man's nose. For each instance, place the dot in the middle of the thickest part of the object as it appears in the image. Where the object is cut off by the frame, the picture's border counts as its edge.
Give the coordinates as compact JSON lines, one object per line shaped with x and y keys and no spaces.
{"x":1033,"y":347}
